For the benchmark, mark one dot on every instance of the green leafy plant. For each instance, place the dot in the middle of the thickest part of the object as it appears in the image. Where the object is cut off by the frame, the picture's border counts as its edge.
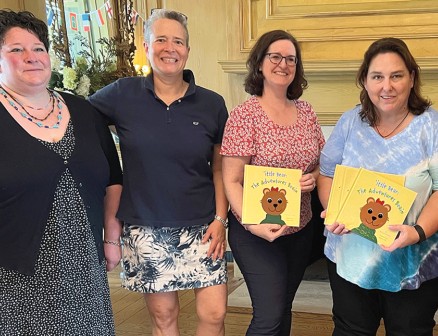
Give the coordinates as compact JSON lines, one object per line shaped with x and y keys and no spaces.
{"x":91,"y":70}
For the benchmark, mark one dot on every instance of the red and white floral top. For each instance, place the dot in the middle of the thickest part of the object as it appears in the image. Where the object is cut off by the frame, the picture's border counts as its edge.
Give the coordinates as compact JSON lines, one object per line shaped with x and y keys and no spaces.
{"x":249,"y":132}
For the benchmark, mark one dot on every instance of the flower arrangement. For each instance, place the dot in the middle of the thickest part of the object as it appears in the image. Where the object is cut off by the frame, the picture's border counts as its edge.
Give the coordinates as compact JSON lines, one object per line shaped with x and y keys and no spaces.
{"x":90,"y":70}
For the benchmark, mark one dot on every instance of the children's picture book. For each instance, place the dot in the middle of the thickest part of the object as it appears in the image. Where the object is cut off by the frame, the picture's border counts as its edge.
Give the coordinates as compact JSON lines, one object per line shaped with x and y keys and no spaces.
{"x":343,"y":180}
{"x":367,"y":202}
{"x":271,"y":195}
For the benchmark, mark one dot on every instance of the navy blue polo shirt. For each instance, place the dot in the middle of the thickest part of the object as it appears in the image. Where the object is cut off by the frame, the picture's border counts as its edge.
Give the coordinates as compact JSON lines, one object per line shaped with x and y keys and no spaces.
{"x":166,"y":150}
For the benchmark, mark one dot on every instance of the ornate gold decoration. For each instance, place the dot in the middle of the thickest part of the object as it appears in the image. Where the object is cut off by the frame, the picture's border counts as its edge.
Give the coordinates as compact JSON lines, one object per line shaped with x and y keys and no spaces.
{"x":60,"y":44}
{"x":124,"y":36}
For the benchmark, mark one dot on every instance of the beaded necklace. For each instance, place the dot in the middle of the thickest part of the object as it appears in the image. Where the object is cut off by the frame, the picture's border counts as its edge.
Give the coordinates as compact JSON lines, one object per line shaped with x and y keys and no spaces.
{"x":21,"y":105}
{"x":34,"y":108}
{"x":25,"y":114}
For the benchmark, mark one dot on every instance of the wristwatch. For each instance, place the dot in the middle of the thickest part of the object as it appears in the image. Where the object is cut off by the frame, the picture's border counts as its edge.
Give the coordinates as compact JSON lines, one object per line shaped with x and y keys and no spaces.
{"x":420,"y":232}
{"x":223,"y":221}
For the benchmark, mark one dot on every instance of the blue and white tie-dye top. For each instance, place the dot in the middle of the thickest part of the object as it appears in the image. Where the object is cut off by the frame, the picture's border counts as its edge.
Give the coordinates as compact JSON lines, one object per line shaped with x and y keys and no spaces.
{"x":414,"y":153}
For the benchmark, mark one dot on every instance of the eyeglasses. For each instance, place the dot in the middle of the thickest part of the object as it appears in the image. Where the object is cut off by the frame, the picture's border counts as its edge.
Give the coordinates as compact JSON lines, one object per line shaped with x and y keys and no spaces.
{"x":276,"y":58}
{"x":179,"y":13}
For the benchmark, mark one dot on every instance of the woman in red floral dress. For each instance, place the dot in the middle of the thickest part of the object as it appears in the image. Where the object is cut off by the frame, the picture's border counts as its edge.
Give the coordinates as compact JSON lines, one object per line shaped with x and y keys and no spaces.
{"x":272,"y":128}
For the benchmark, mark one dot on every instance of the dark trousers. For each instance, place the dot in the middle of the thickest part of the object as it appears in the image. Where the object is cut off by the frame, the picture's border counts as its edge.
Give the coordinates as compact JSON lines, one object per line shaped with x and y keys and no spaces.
{"x":358,"y":311}
{"x":272,"y":272}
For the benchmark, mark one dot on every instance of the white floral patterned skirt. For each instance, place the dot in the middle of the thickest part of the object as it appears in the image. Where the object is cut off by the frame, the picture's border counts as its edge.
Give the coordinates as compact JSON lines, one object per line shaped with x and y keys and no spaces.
{"x":168,"y":259}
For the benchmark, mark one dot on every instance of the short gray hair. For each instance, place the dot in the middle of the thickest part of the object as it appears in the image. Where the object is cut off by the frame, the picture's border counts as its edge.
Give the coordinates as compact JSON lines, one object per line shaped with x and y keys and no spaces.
{"x":157,"y":14}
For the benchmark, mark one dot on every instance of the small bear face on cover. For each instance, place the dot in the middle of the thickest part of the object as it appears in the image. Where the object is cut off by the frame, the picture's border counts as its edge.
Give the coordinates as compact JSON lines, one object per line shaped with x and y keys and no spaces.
{"x":374,"y":214}
{"x":274,"y":201}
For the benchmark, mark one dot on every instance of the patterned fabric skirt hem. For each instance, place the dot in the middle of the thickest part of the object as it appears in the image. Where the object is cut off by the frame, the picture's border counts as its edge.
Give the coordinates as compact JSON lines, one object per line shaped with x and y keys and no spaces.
{"x":159,"y":260}
{"x":140,"y":289}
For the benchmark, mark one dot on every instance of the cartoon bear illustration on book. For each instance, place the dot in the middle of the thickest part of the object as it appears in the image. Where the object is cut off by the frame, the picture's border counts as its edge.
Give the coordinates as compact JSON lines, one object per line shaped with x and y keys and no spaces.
{"x":373,"y":215}
{"x":274,"y":203}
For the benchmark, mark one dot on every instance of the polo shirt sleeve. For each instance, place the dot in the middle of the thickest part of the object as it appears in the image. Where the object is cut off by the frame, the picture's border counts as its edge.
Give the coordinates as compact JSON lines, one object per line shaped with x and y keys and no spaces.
{"x":105,"y":101}
{"x":222,"y":119}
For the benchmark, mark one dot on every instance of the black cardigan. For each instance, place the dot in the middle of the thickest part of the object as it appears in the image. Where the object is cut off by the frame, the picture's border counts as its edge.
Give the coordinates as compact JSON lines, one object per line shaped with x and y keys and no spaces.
{"x":29,"y":174}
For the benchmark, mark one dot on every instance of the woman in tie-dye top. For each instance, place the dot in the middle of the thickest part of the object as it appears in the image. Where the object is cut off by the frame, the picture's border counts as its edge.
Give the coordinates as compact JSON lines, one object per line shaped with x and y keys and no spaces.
{"x":394,"y":130}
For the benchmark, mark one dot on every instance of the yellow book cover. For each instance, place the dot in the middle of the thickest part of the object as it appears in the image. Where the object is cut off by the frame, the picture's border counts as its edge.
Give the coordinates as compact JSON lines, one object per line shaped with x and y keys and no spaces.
{"x":343,"y":180}
{"x":271,"y":195}
{"x":373,"y":203}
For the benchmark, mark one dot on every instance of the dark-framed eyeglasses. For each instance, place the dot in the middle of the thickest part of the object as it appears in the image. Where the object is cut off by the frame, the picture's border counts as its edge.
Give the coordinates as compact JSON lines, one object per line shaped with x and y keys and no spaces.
{"x":276,"y":58}
{"x":179,"y":13}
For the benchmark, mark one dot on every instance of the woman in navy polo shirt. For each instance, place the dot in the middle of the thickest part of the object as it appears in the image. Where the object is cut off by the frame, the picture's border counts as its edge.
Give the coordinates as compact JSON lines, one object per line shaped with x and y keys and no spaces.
{"x":173,"y":203}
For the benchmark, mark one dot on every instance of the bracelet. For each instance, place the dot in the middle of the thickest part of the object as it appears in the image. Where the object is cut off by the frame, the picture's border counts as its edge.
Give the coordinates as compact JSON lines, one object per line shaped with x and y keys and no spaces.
{"x":111,"y":242}
{"x":223,"y":221}
{"x":421,"y":233}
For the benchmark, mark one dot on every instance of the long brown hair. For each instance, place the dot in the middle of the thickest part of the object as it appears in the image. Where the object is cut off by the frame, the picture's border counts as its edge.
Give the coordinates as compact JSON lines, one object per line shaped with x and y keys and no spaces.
{"x":416,"y":103}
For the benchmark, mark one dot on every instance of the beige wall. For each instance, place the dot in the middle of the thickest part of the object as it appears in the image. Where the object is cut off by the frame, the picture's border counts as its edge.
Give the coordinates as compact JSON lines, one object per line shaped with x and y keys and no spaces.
{"x":35,"y":6}
{"x":333,"y":35}
{"x":212,"y":27}
{"x":12,"y":4}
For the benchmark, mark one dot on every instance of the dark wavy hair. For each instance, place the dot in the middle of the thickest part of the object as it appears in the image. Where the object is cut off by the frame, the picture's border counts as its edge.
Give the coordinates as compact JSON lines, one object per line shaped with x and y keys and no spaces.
{"x":254,"y":79}
{"x":416,"y":103}
{"x":26,"y":20}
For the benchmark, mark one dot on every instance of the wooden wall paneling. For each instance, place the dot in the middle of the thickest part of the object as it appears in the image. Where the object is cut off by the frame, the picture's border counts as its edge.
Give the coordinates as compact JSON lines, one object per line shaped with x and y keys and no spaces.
{"x":333,"y":37}
{"x":37,"y":8}
{"x":332,"y":95}
{"x":214,"y":28}
{"x":360,"y":20}
{"x":4,"y":4}
{"x":12,"y":4}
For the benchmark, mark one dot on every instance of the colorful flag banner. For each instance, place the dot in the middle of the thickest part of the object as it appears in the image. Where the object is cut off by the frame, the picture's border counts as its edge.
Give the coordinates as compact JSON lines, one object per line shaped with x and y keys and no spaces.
{"x":73,"y":21}
{"x":99,"y":16}
{"x":86,"y":22}
{"x":134,"y":16}
{"x":109,"y":10}
{"x":50,"y":15}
